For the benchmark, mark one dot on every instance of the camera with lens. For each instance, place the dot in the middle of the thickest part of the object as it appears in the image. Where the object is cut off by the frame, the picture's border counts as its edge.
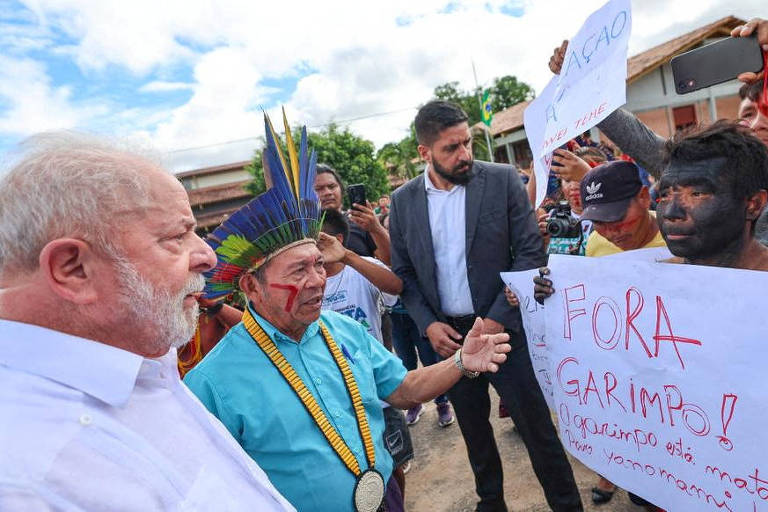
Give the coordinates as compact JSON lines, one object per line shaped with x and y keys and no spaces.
{"x":561,"y":224}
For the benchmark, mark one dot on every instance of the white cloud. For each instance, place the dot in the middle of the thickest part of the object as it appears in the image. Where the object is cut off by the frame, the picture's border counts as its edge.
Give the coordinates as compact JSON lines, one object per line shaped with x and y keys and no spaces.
{"x":363,"y":61}
{"x":138,"y":35}
{"x":160,"y":86}
{"x":224,"y":104}
{"x":35,"y":104}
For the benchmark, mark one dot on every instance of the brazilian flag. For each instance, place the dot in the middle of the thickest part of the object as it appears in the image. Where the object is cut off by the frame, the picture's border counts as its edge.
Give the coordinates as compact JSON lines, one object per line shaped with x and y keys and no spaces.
{"x":487,"y":112}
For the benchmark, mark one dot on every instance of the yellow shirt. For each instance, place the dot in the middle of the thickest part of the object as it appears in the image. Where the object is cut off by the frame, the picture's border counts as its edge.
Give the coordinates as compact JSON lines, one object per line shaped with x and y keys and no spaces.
{"x":598,"y":245}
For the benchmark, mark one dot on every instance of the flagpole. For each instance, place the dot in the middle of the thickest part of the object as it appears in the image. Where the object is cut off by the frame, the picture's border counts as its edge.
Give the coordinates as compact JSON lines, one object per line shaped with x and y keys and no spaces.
{"x":486,"y":129}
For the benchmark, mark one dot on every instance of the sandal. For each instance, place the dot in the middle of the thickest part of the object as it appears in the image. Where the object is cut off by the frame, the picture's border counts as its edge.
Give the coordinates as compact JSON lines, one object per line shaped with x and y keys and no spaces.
{"x":600,"y":496}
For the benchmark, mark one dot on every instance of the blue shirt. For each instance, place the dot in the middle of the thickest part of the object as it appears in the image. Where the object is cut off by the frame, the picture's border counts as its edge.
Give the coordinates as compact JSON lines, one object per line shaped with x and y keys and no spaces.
{"x":238,"y":383}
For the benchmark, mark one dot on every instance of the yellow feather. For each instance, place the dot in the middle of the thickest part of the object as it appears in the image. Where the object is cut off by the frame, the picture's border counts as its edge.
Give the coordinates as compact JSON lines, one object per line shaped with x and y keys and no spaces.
{"x":293,"y":172}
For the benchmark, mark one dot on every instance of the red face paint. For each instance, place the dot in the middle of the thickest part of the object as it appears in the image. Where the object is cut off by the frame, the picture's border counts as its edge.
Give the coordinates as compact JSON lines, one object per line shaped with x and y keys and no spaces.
{"x":291,"y":297}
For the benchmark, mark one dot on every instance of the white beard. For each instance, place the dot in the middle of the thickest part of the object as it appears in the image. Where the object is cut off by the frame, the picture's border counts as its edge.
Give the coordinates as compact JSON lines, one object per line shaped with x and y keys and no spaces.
{"x":163,"y":314}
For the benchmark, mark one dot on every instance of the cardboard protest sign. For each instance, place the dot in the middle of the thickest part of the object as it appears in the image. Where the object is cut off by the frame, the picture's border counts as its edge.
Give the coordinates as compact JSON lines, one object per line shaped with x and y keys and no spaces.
{"x":658,"y":378}
{"x":537,"y":111}
{"x":591,"y":85}
{"x":521,"y":283}
{"x":532,"y":313}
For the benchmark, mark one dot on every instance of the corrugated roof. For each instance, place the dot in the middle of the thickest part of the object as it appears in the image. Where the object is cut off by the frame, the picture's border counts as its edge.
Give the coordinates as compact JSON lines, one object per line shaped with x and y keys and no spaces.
{"x":508,"y":119}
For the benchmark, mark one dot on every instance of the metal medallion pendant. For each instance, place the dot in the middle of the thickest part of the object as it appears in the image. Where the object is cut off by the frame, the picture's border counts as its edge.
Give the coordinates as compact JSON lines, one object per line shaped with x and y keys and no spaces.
{"x":369,"y":491}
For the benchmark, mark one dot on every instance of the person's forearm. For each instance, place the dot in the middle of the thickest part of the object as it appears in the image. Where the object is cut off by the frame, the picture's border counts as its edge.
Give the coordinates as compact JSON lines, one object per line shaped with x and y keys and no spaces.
{"x":634,"y":138}
{"x":381,"y":237}
{"x":424,"y":384}
{"x":381,"y":277}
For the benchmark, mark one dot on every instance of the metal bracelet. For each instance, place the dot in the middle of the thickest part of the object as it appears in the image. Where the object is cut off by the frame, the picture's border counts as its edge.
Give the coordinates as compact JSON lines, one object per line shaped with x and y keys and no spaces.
{"x":457,"y":359}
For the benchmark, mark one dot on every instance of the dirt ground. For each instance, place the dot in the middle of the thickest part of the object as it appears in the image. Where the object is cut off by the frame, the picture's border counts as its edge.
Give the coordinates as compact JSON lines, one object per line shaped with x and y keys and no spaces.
{"x":440,"y":479}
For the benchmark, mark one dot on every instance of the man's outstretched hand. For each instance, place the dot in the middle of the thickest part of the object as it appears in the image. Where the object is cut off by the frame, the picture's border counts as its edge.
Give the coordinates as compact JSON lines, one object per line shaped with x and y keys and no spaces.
{"x":484,"y":352}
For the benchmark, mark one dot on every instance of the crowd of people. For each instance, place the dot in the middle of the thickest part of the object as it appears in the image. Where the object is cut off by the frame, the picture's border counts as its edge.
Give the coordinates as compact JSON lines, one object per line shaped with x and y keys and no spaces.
{"x":292,"y":397}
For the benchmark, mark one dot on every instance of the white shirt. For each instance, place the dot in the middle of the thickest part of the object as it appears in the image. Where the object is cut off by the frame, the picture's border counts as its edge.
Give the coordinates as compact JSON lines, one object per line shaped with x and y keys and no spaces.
{"x":87,"y":426}
{"x":447,"y":222}
{"x":351,"y":294}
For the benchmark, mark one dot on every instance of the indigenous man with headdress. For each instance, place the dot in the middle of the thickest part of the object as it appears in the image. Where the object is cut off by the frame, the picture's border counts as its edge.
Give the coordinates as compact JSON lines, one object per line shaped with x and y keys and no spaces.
{"x":299,"y":387}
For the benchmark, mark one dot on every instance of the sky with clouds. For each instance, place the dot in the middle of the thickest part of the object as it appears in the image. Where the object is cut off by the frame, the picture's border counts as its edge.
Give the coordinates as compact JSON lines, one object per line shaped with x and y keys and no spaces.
{"x":190,"y":77}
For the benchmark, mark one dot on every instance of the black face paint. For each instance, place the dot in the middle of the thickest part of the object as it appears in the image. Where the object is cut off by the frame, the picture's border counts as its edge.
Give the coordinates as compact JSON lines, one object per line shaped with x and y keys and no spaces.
{"x":456,"y":176}
{"x":698,"y":213}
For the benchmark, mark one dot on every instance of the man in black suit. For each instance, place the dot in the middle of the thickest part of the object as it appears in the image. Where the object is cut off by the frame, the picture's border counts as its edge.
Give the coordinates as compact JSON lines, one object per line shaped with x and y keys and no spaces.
{"x":453,"y":229}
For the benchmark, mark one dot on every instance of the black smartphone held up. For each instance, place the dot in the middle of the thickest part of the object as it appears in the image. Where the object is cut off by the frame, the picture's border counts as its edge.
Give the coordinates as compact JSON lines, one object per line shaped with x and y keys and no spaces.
{"x":566,"y":147}
{"x":716,"y":63}
{"x":356,"y":194}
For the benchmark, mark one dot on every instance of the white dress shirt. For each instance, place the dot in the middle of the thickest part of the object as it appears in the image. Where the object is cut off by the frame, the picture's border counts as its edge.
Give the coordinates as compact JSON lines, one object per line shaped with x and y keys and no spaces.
{"x":447,"y":222}
{"x":87,"y":426}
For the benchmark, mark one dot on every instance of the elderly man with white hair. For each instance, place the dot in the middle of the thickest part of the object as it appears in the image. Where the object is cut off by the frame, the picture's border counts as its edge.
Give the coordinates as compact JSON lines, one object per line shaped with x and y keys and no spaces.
{"x":100,"y":269}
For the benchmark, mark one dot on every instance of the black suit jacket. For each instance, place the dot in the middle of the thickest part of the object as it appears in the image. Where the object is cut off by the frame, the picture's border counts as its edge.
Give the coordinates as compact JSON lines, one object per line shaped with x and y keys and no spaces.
{"x":502,"y":235}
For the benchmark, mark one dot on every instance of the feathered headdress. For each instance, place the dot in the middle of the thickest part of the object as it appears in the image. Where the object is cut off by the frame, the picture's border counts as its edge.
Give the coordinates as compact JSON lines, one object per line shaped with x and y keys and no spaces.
{"x":285,"y":215}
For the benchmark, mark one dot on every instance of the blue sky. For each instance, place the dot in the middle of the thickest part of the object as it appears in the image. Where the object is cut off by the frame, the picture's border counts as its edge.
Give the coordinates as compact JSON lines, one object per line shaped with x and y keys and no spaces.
{"x":190,"y":74}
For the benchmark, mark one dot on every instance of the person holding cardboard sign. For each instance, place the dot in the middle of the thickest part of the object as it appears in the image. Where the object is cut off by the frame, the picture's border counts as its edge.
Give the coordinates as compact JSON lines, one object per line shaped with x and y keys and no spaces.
{"x":712,"y":191}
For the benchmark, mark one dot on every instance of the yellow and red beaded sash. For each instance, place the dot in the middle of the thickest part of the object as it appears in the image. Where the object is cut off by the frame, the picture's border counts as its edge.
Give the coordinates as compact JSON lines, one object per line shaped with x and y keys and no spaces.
{"x":309,"y":401}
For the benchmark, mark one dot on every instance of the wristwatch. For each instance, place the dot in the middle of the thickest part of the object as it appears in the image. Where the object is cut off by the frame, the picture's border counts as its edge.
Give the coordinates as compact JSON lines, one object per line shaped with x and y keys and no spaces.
{"x":457,"y":359}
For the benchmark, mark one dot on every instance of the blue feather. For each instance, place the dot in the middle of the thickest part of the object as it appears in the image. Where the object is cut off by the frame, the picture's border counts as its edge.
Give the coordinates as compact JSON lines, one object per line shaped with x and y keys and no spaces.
{"x":270,"y":221}
{"x":276,"y":169}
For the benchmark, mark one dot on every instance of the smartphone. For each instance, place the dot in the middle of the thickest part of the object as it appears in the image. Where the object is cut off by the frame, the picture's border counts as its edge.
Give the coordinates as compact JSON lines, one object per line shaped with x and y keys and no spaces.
{"x":716,"y":63}
{"x":356,"y":194}
{"x":565,"y":147}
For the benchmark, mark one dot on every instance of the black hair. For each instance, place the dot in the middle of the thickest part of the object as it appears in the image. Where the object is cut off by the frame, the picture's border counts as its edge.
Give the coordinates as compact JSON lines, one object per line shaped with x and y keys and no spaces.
{"x":746,"y":156}
{"x":592,"y":153}
{"x":327,"y":169}
{"x":434,"y":117}
{"x":751,"y":91}
{"x":334,"y":223}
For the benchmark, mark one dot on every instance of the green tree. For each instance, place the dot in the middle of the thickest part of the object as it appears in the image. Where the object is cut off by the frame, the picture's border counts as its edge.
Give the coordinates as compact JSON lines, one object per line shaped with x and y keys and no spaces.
{"x":467,"y":100}
{"x":507,"y":91}
{"x":256,"y":169}
{"x":400,"y":158}
{"x":350,"y":155}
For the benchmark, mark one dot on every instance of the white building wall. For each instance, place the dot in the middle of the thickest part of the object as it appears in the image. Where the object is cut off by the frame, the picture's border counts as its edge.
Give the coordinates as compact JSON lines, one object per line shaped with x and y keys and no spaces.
{"x":215,"y":179}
